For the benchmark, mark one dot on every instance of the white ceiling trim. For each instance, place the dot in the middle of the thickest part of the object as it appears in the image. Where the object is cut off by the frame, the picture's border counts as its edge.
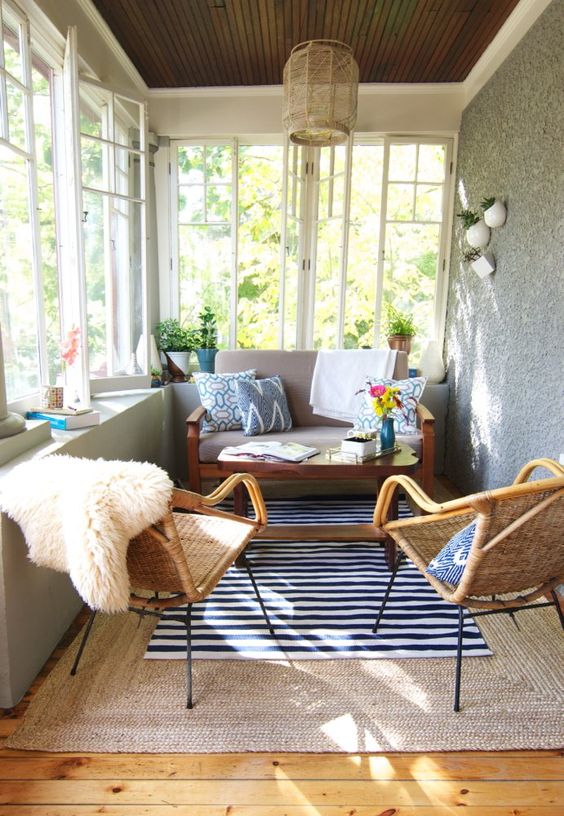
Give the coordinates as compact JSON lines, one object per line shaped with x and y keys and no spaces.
{"x":112,"y":43}
{"x":512,"y":31}
{"x":364,"y":89}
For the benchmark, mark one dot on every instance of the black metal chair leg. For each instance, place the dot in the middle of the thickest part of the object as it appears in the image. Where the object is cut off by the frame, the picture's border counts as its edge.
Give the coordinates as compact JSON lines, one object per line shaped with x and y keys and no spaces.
{"x":189,"y":703}
{"x":257,"y":593}
{"x":83,"y":642}
{"x":387,"y":593}
{"x":556,"y":600}
{"x":458,"y":659}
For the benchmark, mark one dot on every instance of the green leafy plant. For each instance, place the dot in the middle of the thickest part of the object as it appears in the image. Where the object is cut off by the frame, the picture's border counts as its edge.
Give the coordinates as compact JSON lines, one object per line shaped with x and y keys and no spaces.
{"x":207,"y":331}
{"x":469,"y":218}
{"x":174,"y":337}
{"x":398,"y":322}
{"x":487,"y":203}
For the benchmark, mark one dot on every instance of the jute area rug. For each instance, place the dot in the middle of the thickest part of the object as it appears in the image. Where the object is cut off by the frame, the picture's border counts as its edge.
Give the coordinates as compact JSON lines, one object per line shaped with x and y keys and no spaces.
{"x":119,"y":702}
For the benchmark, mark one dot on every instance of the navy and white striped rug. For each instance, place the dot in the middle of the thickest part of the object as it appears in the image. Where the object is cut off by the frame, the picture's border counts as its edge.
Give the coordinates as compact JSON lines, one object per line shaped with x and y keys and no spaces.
{"x":322,"y":599}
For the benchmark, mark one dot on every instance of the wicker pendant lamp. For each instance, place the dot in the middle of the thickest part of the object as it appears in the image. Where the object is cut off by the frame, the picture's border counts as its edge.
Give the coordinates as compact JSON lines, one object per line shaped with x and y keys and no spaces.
{"x":320,"y":93}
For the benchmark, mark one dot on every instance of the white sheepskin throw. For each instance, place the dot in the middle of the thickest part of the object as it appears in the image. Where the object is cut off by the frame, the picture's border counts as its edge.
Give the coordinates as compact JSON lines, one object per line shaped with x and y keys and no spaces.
{"x":78,"y":515}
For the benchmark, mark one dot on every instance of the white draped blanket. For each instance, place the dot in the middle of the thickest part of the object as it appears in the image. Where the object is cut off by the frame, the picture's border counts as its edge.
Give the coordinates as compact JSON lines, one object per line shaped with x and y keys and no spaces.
{"x":78,"y":515}
{"x":339,"y":374}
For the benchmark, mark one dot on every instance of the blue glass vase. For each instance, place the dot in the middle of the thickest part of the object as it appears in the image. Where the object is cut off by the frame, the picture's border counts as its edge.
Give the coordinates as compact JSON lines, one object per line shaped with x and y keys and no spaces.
{"x":387,"y":434}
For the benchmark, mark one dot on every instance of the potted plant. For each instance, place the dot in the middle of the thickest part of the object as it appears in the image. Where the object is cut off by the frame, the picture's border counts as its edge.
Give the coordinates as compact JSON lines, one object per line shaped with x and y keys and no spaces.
{"x":206,"y":334}
{"x":177,"y":344}
{"x":477,"y":231}
{"x":494,"y":212}
{"x":399,"y":328}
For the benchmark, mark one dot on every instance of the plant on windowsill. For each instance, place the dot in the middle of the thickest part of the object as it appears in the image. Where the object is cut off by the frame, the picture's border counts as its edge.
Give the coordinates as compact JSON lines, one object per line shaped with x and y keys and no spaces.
{"x":206,"y":339}
{"x":177,"y":344}
{"x":399,"y":328}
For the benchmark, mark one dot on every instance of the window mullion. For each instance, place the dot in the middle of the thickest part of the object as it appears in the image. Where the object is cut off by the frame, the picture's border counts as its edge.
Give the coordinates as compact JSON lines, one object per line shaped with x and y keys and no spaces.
{"x":345,"y":226}
{"x":73,"y":279}
{"x":283,"y":241}
{"x":310,"y":211}
{"x":234,"y":242}
{"x":4,"y":131}
{"x":381,"y":247}
{"x":34,"y":207}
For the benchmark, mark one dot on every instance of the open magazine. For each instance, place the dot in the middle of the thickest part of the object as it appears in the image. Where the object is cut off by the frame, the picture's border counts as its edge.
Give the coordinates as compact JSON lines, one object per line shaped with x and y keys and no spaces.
{"x":282,"y":451}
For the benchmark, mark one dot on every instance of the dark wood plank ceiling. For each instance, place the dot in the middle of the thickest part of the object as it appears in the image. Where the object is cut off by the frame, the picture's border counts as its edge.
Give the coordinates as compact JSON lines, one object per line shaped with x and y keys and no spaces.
{"x":198,"y":43}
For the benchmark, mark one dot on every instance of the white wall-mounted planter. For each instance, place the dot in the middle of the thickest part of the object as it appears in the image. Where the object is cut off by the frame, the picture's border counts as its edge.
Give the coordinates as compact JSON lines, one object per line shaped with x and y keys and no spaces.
{"x":495,"y":215}
{"x":484,"y":265}
{"x":478,"y":235}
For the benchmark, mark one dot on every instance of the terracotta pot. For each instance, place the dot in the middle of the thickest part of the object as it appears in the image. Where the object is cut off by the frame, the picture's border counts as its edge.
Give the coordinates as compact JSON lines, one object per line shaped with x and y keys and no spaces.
{"x":400,"y":342}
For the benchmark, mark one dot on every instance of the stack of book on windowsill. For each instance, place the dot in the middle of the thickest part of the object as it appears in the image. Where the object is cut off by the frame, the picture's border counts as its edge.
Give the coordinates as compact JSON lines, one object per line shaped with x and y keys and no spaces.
{"x":66,"y":419}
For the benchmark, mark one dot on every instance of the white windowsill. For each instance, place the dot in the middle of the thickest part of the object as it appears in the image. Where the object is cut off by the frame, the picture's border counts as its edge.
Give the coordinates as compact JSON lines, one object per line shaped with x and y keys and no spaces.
{"x":39,"y":439}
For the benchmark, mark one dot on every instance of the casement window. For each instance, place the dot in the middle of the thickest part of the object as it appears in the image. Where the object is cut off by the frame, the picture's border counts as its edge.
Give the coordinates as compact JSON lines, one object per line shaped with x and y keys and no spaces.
{"x":297,"y":247}
{"x":29,"y":294}
{"x":72,"y":222}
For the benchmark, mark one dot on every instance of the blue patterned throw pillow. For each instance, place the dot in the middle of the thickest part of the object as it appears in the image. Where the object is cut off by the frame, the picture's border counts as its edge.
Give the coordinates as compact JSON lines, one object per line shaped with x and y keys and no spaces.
{"x":448,"y":565}
{"x":218,"y":395}
{"x":263,"y":406}
{"x":410,"y":394}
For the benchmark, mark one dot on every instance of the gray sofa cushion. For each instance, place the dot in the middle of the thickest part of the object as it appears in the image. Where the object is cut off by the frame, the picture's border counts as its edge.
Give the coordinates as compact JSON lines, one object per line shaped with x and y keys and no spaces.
{"x":212,"y":444}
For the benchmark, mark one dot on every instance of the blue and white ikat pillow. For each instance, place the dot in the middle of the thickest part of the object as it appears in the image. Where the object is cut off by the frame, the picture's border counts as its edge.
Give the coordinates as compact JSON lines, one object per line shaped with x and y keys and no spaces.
{"x":410,"y":394}
{"x":218,"y":395}
{"x":263,"y":406}
{"x":449,"y":563}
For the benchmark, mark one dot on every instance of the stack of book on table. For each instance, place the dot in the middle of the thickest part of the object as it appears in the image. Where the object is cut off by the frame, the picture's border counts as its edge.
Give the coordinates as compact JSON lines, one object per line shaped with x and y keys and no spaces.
{"x":268,"y":451}
{"x":66,"y":419}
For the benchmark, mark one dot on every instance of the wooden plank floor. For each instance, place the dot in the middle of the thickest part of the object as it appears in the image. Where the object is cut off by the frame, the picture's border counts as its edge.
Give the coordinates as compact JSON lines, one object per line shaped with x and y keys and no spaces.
{"x":519,"y":783}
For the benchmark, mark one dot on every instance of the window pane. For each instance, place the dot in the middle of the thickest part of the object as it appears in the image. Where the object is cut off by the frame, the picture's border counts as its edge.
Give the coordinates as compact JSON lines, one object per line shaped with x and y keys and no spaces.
{"x":45,"y":190}
{"x":191,"y":204}
{"x":218,"y":202}
{"x":410,"y":272}
{"x":429,"y":201}
{"x":218,"y":163}
{"x":12,"y":52}
{"x":431,"y":163}
{"x":191,"y":165}
{"x":258,"y":294}
{"x":112,"y":238}
{"x":291,"y":283}
{"x":17,"y":301}
{"x":400,"y":202}
{"x":127,"y":170}
{"x":402,"y":162}
{"x":16,"y":115}
{"x":327,"y":285}
{"x":128,"y":121}
{"x":94,"y":156}
{"x":366,"y":193}
{"x":90,"y":116}
{"x":205,"y":274}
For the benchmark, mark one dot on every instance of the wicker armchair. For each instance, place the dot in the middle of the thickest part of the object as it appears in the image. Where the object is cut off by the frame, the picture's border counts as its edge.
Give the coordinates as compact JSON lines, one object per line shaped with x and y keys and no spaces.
{"x":186,"y":555}
{"x":517,"y":552}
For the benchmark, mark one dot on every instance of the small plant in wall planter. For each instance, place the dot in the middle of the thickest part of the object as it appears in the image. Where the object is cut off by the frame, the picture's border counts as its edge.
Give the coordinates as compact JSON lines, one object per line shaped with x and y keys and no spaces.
{"x":477,"y":232}
{"x":494,"y":211}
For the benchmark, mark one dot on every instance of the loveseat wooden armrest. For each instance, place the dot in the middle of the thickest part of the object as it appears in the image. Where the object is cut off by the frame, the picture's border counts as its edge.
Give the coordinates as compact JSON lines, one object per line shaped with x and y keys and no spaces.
{"x":193,"y":427}
{"x":427,"y":425}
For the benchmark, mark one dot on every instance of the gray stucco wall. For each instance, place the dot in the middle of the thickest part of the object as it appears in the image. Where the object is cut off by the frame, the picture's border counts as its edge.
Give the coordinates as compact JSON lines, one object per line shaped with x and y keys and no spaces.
{"x":504,"y":336}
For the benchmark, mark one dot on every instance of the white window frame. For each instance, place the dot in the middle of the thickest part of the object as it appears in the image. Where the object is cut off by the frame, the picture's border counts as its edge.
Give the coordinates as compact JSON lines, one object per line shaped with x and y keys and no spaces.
{"x":25,"y":86}
{"x":307,"y":256}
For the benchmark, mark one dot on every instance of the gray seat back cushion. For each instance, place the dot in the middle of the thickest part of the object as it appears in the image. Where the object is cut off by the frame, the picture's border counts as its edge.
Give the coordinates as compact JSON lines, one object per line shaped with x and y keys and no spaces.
{"x":296,"y":369}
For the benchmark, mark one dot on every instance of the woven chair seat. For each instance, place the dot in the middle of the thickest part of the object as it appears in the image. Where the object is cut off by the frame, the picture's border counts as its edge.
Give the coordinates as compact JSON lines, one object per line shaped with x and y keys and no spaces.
{"x":210,"y":545}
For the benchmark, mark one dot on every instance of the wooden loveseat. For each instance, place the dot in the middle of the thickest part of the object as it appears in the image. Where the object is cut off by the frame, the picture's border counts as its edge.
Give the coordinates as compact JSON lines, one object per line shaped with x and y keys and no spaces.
{"x":296,"y":370}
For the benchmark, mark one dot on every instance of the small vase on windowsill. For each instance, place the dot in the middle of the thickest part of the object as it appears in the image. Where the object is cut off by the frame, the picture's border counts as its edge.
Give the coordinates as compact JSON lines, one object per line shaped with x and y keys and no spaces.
{"x":387,"y":433}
